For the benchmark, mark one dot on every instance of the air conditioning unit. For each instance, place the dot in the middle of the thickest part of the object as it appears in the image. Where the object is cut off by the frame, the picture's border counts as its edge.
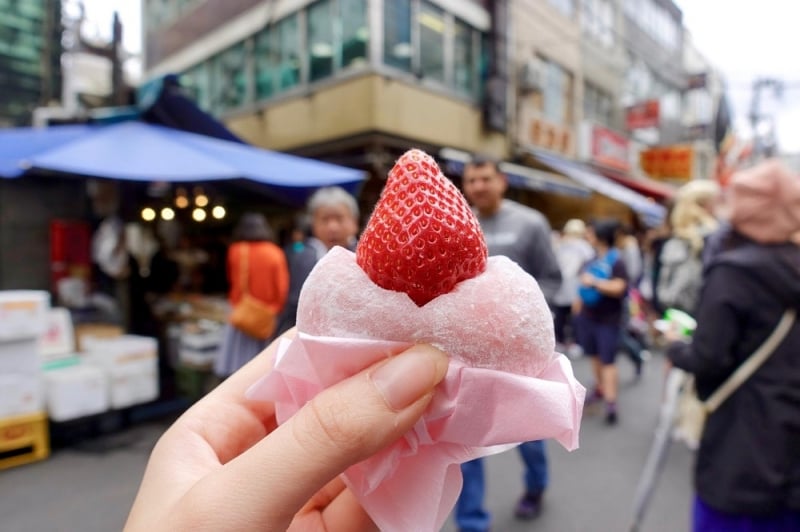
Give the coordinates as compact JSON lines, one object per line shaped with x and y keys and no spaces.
{"x":531,"y":76}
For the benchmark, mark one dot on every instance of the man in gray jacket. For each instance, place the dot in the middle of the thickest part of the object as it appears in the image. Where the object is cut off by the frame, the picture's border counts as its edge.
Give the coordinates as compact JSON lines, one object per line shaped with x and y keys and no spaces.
{"x":523,"y":235}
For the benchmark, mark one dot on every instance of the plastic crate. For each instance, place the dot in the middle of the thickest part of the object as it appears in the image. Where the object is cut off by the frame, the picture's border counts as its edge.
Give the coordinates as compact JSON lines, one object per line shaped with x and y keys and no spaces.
{"x":23,"y":439}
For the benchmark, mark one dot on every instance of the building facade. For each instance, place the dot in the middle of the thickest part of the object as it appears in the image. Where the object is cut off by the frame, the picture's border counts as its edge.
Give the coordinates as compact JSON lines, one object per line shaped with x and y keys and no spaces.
{"x":359,"y":81}
{"x":30,"y":58}
{"x":351,"y":81}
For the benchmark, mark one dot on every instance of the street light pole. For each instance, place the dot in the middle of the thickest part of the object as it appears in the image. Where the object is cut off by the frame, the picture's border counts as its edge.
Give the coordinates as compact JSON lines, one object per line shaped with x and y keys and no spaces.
{"x":764,"y":144}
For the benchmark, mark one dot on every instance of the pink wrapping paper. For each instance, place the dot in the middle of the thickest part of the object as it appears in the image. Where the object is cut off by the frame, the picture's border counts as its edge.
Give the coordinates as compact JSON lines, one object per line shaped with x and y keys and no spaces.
{"x":414,"y":483}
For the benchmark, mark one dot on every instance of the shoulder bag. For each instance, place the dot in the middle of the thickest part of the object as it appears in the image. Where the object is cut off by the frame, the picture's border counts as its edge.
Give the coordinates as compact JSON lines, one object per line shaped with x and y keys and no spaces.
{"x":251,"y":315}
{"x":691,"y":412}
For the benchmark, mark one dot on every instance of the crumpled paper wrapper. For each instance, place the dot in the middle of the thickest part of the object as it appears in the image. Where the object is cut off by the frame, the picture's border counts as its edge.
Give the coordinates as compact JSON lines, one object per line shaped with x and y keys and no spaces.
{"x":496,"y":394}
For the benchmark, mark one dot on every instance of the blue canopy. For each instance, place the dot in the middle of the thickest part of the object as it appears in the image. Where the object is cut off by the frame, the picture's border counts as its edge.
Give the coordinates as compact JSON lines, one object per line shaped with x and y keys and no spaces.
{"x":135,"y":150}
{"x":652,"y":213}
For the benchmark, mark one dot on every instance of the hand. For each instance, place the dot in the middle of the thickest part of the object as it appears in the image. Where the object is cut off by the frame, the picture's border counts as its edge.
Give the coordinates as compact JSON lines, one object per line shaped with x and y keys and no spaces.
{"x":587,"y":279}
{"x":673,"y":334}
{"x":226,"y":465}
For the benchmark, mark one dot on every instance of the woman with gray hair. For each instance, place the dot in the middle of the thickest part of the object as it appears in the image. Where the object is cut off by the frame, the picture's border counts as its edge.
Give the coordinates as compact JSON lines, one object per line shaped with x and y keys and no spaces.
{"x":333,"y":215}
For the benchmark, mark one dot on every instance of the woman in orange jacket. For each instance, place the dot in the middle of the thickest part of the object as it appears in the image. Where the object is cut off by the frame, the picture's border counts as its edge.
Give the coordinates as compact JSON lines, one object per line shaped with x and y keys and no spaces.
{"x":252,"y":259}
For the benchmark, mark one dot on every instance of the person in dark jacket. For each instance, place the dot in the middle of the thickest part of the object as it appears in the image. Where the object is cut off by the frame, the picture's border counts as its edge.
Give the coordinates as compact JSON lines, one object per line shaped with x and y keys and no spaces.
{"x":747,"y":472}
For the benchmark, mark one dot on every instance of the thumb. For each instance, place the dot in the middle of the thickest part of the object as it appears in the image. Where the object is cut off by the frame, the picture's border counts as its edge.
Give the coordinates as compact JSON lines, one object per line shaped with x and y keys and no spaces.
{"x":340,"y":427}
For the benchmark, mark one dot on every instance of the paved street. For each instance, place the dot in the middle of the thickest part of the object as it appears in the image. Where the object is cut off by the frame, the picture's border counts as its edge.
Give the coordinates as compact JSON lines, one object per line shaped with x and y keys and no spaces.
{"x":89,"y":487}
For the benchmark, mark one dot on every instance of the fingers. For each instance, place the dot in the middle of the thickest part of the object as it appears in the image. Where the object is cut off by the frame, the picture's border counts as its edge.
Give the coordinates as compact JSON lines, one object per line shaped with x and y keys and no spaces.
{"x":343,"y":425}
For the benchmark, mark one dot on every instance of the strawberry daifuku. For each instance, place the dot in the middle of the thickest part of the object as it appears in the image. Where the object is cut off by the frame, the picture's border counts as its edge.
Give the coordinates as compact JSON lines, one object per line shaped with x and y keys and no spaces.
{"x":422,"y":238}
{"x":421,"y":274}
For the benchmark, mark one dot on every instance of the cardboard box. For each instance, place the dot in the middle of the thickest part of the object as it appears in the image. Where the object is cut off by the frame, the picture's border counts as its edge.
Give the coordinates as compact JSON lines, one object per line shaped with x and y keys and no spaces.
{"x":21,"y":394}
{"x":20,"y":356}
{"x":85,"y":331}
{"x":109,"y":352}
{"x":23,"y":314}
{"x":75,"y":391}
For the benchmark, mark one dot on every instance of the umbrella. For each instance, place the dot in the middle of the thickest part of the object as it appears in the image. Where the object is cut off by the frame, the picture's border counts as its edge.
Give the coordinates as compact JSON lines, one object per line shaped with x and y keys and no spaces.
{"x":657,"y":456}
{"x":138,"y":151}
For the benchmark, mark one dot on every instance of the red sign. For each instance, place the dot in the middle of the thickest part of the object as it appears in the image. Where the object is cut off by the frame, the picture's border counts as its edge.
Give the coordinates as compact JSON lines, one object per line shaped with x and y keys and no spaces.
{"x":642,"y":115}
{"x":609,"y":148}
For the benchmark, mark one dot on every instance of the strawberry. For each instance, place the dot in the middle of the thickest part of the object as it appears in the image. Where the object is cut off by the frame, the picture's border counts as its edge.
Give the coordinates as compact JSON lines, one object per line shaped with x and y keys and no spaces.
{"x":422,"y":237}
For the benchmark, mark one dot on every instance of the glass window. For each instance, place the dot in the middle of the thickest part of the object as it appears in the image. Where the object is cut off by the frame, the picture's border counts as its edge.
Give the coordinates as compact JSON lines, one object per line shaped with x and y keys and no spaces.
{"x":556,"y":93}
{"x":567,"y":7}
{"x":355,"y":32}
{"x":397,"y":47}
{"x":277,"y":58}
{"x":229,"y":87}
{"x":320,"y":40}
{"x":431,"y":41}
{"x":196,"y":82}
{"x":289,"y":46}
{"x":267,"y":58}
{"x":597,"y":21}
{"x":464,"y":58}
{"x":597,"y":105}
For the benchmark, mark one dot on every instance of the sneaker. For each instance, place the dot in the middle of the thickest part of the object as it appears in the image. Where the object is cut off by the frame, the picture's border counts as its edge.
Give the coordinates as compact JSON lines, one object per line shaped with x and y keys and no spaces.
{"x":529,"y":506}
{"x":611,"y":414}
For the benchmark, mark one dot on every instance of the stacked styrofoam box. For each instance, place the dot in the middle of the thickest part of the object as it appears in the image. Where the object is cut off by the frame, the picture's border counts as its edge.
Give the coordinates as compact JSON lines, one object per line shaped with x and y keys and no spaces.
{"x":23,"y":314}
{"x":23,"y":318}
{"x":75,"y":389}
{"x":58,"y":340}
{"x":199,"y":343}
{"x":130,"y":364}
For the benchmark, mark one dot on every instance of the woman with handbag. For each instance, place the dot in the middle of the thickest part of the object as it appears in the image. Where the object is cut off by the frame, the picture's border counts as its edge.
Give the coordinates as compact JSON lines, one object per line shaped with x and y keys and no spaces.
{"x":259,"y":283}
{"x":747,"y":472}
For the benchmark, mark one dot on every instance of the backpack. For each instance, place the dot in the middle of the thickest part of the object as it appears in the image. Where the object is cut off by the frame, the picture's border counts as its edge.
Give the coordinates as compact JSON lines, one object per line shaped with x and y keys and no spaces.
{"x":600,"y":268}
{"x":681,"y":276}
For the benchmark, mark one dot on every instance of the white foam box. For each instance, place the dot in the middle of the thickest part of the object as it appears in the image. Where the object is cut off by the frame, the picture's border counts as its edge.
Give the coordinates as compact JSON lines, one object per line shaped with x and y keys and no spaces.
{"x":75,"y":391}
{"x":110,"y":352}
{"x":21,"y":394}
{"x":20,"y":356}
{"x":197,"y":357}
{"x":23,"y":314}
{"x":200,"y":337}
{"x":133,"y":382}
{"x":58,"y":340}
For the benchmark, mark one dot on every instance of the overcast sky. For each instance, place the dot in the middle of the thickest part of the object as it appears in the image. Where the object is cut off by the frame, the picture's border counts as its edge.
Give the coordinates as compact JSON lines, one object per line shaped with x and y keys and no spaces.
{"x":745,"y":39}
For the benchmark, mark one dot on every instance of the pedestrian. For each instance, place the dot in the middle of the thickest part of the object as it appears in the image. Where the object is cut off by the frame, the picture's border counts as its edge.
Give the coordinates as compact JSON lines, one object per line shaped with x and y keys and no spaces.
{"x":747,"y":471}
{"x":693,"y":219}
{"x":523,"y":235}
{"x":599,"y":307}
{"x":333,"y":215}
{"x":255,"y":266}
{"x":226,"y":465}
{"x":572,"y":252}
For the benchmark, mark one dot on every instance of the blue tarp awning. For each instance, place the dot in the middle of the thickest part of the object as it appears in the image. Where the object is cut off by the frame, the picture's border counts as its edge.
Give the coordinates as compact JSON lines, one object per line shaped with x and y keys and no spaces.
{"x":135,"y":150}
{"x":651,"y":212}
{"x":518,"y":176}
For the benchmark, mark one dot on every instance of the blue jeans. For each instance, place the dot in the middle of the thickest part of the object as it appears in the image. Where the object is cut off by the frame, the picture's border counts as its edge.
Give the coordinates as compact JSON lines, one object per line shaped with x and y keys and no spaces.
{"x":471,"y":516}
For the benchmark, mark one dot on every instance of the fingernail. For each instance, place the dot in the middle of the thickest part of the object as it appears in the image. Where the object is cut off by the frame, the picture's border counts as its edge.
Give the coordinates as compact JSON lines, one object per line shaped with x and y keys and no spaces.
{"x":408,"y":376}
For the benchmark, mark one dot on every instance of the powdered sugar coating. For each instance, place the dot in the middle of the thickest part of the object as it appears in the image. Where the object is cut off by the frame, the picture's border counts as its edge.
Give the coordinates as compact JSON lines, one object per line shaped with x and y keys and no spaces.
{"x":497,"y":320}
